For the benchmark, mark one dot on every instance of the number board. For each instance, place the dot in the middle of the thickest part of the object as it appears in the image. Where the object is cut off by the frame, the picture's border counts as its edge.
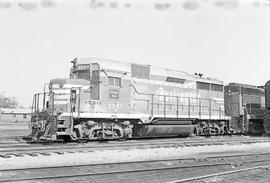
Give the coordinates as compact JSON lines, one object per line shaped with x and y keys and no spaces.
{"x":83,"y":67}
{"x":114,"y":94}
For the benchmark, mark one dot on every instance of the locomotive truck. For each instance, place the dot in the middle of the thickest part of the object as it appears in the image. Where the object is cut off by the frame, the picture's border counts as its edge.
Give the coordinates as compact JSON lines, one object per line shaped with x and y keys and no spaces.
{"x":107,"y":99}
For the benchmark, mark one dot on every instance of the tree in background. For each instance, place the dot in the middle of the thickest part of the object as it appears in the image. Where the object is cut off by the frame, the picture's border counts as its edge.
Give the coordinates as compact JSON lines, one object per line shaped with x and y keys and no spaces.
{"x":8,"y":102}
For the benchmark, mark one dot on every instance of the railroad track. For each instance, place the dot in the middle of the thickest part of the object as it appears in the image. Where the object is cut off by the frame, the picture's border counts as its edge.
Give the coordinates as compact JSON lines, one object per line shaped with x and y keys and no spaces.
{"x":110,"y":172}
{"x":19,"y":140}
{"x":192,"y":179}
{"x":9,"y":150}
{"x":10,"y":144}
{"x":22,"y":146}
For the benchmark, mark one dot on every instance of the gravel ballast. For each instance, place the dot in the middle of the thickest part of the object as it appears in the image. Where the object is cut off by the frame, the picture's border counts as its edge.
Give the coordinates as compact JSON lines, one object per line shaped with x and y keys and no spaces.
{"x":127,"y":155}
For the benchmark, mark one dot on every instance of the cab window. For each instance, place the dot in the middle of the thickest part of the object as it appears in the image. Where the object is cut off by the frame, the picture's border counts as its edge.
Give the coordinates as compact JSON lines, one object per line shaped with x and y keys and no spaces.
{"x":114,"y":81}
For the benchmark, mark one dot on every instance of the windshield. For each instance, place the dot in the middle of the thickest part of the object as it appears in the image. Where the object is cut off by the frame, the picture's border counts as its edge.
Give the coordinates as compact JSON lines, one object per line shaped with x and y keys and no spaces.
{"x":80,"y":71}
{"x":83,"y":75}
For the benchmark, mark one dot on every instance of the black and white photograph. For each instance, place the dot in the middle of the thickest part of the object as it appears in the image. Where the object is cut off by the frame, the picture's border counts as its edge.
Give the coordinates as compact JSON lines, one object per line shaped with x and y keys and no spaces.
{"x":135,"y":91}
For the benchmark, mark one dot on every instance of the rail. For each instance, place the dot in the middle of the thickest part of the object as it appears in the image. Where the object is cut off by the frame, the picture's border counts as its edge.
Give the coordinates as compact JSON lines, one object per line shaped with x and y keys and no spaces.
{"x":222,"y":165}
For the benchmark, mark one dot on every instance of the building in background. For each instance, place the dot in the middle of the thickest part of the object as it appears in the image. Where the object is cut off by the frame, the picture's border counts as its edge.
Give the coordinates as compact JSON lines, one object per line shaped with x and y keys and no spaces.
{"x":16,"y":114}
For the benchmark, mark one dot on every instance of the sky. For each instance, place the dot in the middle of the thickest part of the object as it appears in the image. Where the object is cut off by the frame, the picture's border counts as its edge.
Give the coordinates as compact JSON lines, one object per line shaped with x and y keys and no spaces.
{"x":224,"y":39}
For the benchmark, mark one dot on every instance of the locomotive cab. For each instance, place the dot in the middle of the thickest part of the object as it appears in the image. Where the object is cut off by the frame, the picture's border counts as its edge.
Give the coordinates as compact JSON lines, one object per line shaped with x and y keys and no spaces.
{"x":75,"y":108}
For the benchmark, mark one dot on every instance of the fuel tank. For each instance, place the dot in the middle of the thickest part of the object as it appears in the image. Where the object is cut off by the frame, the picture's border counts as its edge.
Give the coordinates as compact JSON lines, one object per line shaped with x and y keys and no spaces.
{"x":171,"y":122}
{"x":166,"y":130}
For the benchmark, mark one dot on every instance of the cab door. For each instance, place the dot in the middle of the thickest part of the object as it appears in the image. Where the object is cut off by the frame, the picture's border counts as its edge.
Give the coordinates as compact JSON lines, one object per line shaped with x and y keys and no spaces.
{"x":73,"y":100}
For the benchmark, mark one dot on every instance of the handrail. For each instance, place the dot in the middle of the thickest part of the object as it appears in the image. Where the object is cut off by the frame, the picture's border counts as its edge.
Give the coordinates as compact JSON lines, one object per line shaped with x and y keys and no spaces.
{"x":36,"y":101}
{"x":150,"y":101}
{"x":177,"y":100}
{"x":140,"y":93}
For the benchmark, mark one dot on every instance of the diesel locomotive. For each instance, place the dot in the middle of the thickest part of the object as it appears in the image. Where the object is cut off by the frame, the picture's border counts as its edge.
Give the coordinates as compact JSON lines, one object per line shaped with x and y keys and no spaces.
{"x":107,"y":99}
{"x":245,"y":104}
{"x":267,"y":108}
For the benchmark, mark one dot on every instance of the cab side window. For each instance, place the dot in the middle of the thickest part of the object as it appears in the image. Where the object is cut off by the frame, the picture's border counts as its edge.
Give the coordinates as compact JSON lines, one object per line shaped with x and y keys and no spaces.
{"x":114,"y":81}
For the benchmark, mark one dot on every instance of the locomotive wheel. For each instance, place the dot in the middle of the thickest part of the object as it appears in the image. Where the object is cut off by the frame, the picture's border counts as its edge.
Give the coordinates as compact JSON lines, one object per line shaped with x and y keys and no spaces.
{"x":96,"y":134}
{"x":77,"y":134}
{"x":216,"y":131}
{"x":115,"y":134}
{"x":206,"y":131}
{"x":221,"y":132}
